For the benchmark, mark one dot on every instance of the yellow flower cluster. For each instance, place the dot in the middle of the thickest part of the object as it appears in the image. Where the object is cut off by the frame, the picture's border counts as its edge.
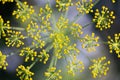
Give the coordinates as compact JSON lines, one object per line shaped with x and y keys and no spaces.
{"x":114,"y":44}
{"x":60,"y":41}
{"x":3,"y":27}
{"x":84,"y":6}
{"x":62,"y":23}
{"x":45,"y":13}
{"x":90,"y":42}
{"x":52,"y":74}
{"x":24,"y":73}
{"x":63,"y":5}
{"x":64,"y":36}
{"x":34,"y":32}
{"x":28,"y":53}
{"x":103,"y":19}
{"x":43,"y":56}
{"x":14,"y":38}
{"x":24,"y":11}
{"x":99,"y":67}
{"x":4,"y":1}
{"x":3,"y":63}
{"x":70,"y":49}
{"x":75,"y":66}
{"x":76,"y":30}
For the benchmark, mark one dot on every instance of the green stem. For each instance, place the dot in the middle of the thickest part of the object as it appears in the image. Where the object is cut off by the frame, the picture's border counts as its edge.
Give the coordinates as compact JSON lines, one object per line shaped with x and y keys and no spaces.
{"x":86,"y":25}
{"x":103,"y":42}
{"x":36,"y":60}
{"x":96,"y":1}
{"x":76,"y":18}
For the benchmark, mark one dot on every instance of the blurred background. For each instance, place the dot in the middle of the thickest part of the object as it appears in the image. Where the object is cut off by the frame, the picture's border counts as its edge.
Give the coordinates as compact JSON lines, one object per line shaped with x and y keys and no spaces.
{"x":13,"y":61}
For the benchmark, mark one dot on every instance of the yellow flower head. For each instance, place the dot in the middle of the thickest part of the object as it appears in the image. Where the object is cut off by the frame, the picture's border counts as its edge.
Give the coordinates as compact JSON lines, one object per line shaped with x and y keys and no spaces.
{"x":62,"y":23}
{"x":3,"y":63}
{"x":34,"y":31}
{"x":99,"y":67}
{"x":76,"y":30}
{"x":43,"y":56}
{"x":14,"y":38}
{"x":60,"y":41}
{"x":84,"y":6}
{"x":103,"y":19}
{"x":24,"y":73}
{"x":28,"y":53}
{"x":3,"y":27}
{"x":63,"y":5}
{"x":75,"y":66}
{"x":114,"y":44}
{"x":4,"y":1}
{"x":24,"y":11}
{"x":90,"y":42}
{"x":45,"y":13}
{"x":52,"y":74}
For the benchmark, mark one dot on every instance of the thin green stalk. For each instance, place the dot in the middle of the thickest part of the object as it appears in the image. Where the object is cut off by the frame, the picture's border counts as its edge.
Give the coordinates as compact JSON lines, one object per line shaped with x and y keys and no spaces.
{"x":76,"y":18}
{"x":96,"y":1}
{"x":86,"y":25}
{"x":35,"y":61}
{"x":15,"y":28}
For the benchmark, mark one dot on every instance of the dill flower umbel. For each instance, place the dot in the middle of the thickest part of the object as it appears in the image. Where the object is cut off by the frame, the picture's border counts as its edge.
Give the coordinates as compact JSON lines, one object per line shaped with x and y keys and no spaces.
{"x":3,"y":63}
{"x":24,"y":73}
{"x":14,"y":38}
{"x":75,"y":66}
{"x":52,"y":74}
{"x":99,"y":67}
{"x":60,"y":41}
{"x":3,"y":27}
{"x":24,"y":11}
{"x":45,"y":13}
{"x":90,"y":42}
{"x":43,"y":56}
{"x":84,"y":6}
{"x":63,"y":5}
{"x":103,"y":19}
{"x":114,"y":44}
{"x":4,"y":1}
{"x":34,"y":32}
{"x":28,"y":53}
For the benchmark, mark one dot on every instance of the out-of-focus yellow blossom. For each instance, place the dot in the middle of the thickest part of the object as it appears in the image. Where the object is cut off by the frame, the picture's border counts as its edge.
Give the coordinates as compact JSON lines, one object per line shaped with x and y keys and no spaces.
{"x":114,"y":44}
{"x":3,"y":63}
{"x":99,"y":67}
{"x":4,"y":1}
{"x":24,"y":11}
{"x":14,"y":38}
{"x":3,"y":27}
{"x":43,"y":56}
{"x":90,"y":42}
{"x":24,"y":73}
{"x":75,"y":66}
{"x":113,"y":1}
{"x":63,"y":5}
{"x":28,"y":53}
{"x":84,"y":6}
{"x":34,"y":31}
{"x":52,"y":74}
{"x":103,"y":19}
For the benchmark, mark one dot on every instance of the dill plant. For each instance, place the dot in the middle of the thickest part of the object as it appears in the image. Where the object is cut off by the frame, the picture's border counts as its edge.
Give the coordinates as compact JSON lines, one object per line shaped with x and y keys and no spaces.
{"x":60,"y":36}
